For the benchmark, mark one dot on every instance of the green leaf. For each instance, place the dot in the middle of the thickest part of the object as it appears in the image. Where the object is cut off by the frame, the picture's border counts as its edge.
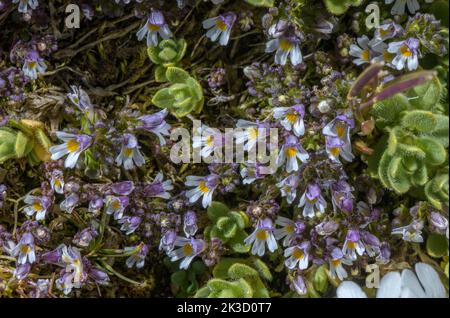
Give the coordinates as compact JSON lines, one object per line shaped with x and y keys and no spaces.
{"x":178,"y":278}
{"x":177,"y":75}
{"x":437,"y":245}
{"x":160,"y":74}
{"x":420,"y":120}
{"x":339,"y":7}
{"x":23,"y":145}
{"x":435,"y":152}
{"x":261,"y":3}
{"x":387,"y":112}
{"x":217,"y":210}
{"x":163,"y":98}
{"x":427,"y":95}
{"x":239,"y":270}
{"x":398,"y":178}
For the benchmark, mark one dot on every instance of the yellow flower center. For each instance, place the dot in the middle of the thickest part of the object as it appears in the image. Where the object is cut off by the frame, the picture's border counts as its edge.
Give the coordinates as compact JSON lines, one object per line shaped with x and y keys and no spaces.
{"x":25,"y":249}
{"x":292,"y":118}
{"x":340,"y":130}
{"x":289,"y":228}
{"x":153,"y":27}
{"x":298,"y":253}
{"x":262,"y":235}
{"x":128,"y":152}
{"x":336,"y":263}
{"x":383,"y":32}
{"x":32,"y":65}
{"x":37,"y":206}
{"x":351,"y":245}
{"x":73,"y":145}
{"x":210,"y":140}
{"x":290,"y":152}
{"x":203,"y":187}
{"x":335,"y":151}
{"x":253,"y":133}
{"x":222,"y":26}
{"x":285,"y":45}
{"x":365,"y":55}
{"x":115,"y":205}
{"x":188,"y":249}
{"x":405,"y":51}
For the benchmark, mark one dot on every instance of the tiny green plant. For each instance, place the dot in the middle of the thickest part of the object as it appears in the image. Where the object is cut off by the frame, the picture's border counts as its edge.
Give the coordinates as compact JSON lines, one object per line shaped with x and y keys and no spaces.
{"x":184,"y":96}
{"x":168,"y":53}
{"x":24,"y":139}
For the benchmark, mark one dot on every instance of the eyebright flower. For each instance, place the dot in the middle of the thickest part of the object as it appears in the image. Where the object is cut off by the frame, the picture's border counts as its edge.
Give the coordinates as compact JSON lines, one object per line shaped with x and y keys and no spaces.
{"x":69,"y":203}
{"x":353,"y":245}
{"x":74,"y":271}
{"x":220,"y":27}
{"x":297,"y":256}
{"x":130,"y":224}
{"x":251,"y":133}
{"x":399,"y":6}
{"x":371,"y":243}
{"x":312,"y":201}
{"x":24,"y":250}
{"x":130,"y":153}
{"x":388,"y":31}
{"x":337,"y":134}
{"x":73,"y":146}
{"x":262,"y":235}
{"x":209,"y":141}
{"x":57,"y":181}
{"x":251,"y":172}
{"x":203,"y":187}
{"x":116,"y":205}
{"x":287,"y":45}
{"x":289,"y":230}
{"x":137,"y":258}
{"x":336,"y":261}
{"x":366,"y":50}
{"x":81,"y":99}
{"x":288,"y":187}
{"x":84,"y":237}
{"x":189,"y":249}
{"x":425,"y":283}
{"x":298,"y":285}
{"x":291,"y":118}
{"x":411,"y":232}
{"x":190,"y":224}
{"x":38,"y":205}
{"x":156,"y":124}
{"x":291,"y":152}
{"x":167,"y":242}
{"x":33,"y":65}
{"x":407,"y":53}
{"x":155,"y":25}
{"x":439,"y":223}
{"x":159,"y":188}
{"x":24,"y":4}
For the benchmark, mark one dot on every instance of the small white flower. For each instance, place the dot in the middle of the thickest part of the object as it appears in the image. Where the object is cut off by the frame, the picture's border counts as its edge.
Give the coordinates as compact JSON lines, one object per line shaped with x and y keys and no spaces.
{"x":189,"y":249}
{"x":424,"y":284}
{"x":407,"y":54}
{"x":24,"y":4}
{"x":220,"y":27}
{"x":73,"y":146}
{"x":38,"y":205}
{"x":291,"y":152}
{"x":203,"y":187}
{"x":130,"y":154}
{"x":262,"y":235}
{"x":291,"y":118}
{"x":297,"y":256}
{"x":155,"y":25}
{"x":33,"y":65}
